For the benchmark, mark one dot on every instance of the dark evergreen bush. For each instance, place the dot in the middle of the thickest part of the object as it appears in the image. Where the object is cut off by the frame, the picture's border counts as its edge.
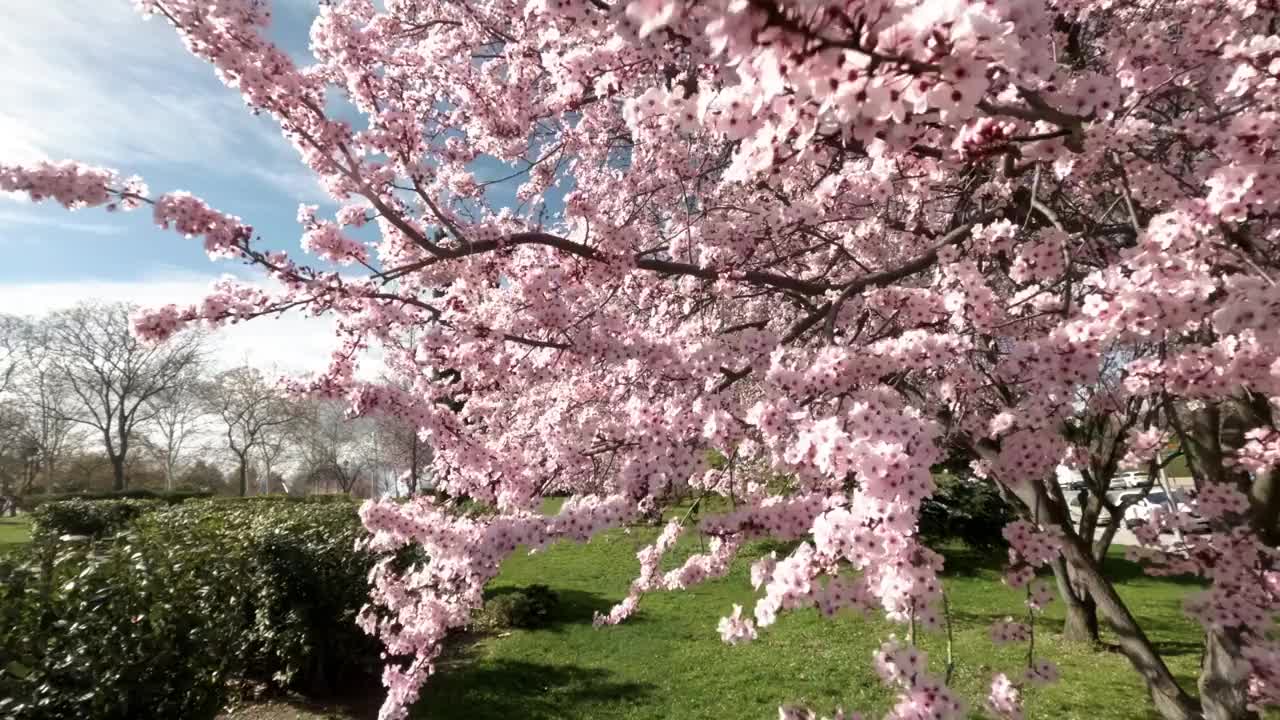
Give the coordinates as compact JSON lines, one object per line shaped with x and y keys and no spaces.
{"x":153,"y":618}
{"x":967,"y":510}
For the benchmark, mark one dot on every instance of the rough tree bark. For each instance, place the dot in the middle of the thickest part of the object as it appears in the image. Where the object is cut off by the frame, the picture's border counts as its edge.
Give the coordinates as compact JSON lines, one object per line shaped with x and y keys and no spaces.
{"x":1081,"y":624}
{"x":243,"y":472}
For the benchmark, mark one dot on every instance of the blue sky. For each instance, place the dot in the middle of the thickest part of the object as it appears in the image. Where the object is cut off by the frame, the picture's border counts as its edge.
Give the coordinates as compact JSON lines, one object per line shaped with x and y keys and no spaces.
{"x":92,"y":80}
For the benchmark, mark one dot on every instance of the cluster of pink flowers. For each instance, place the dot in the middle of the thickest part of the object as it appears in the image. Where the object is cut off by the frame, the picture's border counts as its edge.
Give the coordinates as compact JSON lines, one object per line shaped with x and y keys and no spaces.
{"x":325,"y":240}
{"x":1008,"y":631}
{"x":157,"y":324}
{"x":224,"y":235}
{"x":1261,"y":450}
{"x":72,"y":184}
{"x":1221,"y":501}
{"x":1004,"y":700}
{"x":734,"y":629}
{"x":1035,"y":546}
{"x":698,"y":568}
{"x":920,"y":693}
{"x":1039,"y":594}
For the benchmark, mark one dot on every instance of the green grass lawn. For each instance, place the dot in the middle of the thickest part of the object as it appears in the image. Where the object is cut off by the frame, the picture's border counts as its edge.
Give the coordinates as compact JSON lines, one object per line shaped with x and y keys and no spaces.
{"x":15,"y":530}
{"x":667,"y":661}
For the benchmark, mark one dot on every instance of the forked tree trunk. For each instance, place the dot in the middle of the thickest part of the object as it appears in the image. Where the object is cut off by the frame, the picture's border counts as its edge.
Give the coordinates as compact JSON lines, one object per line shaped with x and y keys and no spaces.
{"x":1171,"y":701}
{"x":1081,"y":623}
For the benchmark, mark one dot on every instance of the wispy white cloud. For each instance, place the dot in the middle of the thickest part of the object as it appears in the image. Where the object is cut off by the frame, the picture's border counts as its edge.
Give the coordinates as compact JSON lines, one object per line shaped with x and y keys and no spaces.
{"x":92,"y":80}
{"x":95,"y":81}
{"x":12,"y":217}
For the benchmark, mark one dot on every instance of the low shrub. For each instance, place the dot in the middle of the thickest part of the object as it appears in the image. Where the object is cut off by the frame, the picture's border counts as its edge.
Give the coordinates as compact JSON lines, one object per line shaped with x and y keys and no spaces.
{"x":306,"y":583}
{"x":528,"y":607}
{"x":89,"y":518}
{"x":966,"y":510}
{"x":127,"y":627}
{"x":323,"y":499}
{"x":153,"y":620}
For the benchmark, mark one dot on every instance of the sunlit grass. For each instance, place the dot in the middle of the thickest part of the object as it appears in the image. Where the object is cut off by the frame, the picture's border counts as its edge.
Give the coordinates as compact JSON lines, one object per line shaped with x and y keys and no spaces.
{"x":15,"y":530}
{"x":668,"y":661}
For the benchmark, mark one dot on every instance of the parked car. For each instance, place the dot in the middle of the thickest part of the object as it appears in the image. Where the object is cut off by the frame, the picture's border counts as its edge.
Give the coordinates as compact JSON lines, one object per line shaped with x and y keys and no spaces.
{"x":1140,"y":511}
{"x":1069,"y":480}
{"x":1130,"y":479}
{"x":1071,"y":487}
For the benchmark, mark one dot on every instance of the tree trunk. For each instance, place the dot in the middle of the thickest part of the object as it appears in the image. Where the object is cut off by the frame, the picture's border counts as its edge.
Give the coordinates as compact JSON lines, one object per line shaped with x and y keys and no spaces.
{"x":1224,"y":679}
{"x":1264,"y":493}
{"x":244,"y":477}
{"x":1081,"y":623}
{"x":1170,"y":700}
{"x":117,"y":472}
{"x":413,"y":466}
{"x":122,"y":481}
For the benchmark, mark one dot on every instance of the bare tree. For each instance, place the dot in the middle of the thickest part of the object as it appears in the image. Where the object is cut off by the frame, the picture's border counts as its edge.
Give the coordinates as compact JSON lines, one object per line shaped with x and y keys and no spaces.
{"x":16,"y":455}
{"x":178,"y":416}
{"x":337,"y":450}
{"x":12,"y":330}
{"x":113,"y":375}
{"x":277,"y":444}
{"x":404,"y":451}
{"x":400,"y":447}
{"x":203,"y":475}
{"x":249,"y":408}
{"x":48,"y":401}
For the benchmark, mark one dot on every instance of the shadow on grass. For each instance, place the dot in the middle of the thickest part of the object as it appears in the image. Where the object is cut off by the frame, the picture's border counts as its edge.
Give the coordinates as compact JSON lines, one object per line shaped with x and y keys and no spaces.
{"x":963,"y":561}
{"x":1156,"y":628}
{"x":502,"y":689}
{"x":1121,"y":571}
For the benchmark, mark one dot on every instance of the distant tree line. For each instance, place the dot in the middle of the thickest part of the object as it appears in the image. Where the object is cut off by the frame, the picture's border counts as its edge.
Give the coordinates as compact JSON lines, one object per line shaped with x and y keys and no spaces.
{"x":84,"y":405}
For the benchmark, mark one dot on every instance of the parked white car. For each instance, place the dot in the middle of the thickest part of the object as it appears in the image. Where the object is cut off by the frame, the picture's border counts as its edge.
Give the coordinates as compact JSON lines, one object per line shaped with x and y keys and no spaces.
{"x":1130,"y":479}
{"x":1140,"y":511}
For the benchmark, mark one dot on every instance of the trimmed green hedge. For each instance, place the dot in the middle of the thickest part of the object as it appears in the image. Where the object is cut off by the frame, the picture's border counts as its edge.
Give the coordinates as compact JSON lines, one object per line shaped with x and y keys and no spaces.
{"x":89,"y":518}
{"x":31,"y":502}
{"x":155,"y":619}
